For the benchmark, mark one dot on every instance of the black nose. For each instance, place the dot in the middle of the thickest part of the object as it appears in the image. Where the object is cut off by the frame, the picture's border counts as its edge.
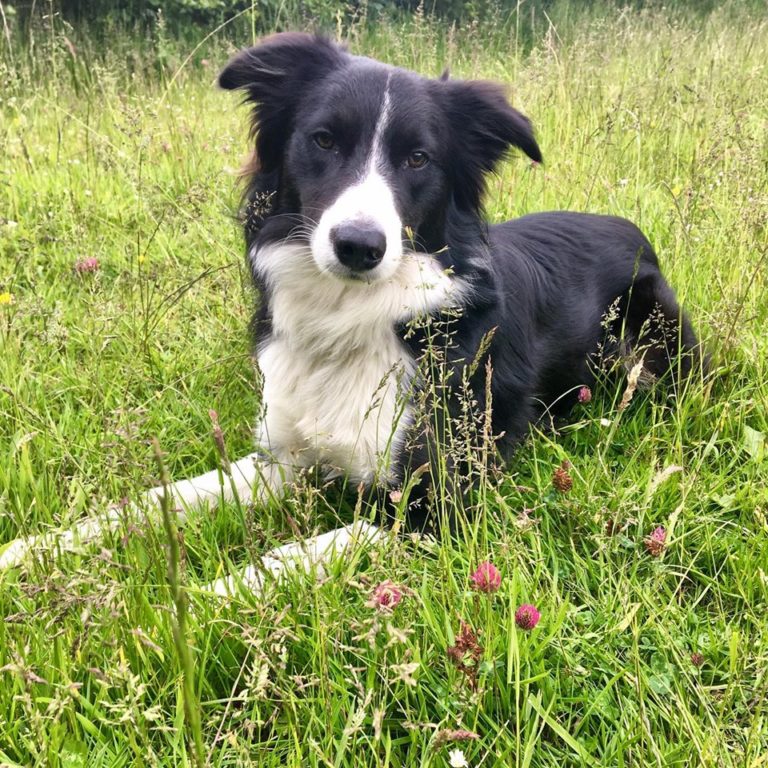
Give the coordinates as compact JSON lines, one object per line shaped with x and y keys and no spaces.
{"x":358,"y":246}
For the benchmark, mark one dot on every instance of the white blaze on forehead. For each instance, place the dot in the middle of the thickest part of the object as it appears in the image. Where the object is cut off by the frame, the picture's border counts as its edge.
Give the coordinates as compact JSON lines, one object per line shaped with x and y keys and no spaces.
{"x":377,"y":154}
{"x":370,"y":200}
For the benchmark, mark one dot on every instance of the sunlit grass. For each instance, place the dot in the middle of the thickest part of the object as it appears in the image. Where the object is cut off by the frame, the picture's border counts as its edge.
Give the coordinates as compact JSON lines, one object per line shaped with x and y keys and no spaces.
{"x":106,"y":154}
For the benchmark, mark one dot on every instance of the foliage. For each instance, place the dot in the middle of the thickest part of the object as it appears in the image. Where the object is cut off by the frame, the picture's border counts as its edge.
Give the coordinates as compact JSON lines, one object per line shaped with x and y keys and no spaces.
{"x":183,"y":16}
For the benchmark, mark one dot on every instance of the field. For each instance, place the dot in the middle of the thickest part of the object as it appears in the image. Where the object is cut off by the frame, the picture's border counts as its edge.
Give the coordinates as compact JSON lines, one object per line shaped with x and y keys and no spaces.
{"x":126,"y":153}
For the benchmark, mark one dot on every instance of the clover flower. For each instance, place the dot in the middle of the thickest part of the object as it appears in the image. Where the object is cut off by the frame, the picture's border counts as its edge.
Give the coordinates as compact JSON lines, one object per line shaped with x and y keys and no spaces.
{"x":486,"y":578}
{"x":527,"y":616}
{"x":83,"y":266}
{"x":466,"y":653}
{"x":386,"y":596}
{"x":656,"y":543}
{"x":561,"y":479}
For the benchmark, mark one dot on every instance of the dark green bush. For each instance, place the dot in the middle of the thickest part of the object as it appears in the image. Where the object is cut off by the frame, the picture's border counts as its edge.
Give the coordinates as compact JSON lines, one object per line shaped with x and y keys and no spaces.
{"x":188,"y":16}
{"x":181,"y":12}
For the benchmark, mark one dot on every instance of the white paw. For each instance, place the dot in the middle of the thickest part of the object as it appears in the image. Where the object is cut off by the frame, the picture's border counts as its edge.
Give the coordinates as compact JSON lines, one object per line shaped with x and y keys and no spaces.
{"x":299,"y":557}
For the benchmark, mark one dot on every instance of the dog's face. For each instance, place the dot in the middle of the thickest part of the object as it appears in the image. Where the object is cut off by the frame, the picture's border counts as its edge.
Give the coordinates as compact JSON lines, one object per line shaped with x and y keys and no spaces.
{"x":367,"y":155}
{"x":366,"y":163}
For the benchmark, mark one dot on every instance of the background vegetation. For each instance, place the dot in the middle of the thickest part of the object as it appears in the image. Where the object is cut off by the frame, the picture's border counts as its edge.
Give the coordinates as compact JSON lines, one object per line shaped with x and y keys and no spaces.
{"x":116,"y":147}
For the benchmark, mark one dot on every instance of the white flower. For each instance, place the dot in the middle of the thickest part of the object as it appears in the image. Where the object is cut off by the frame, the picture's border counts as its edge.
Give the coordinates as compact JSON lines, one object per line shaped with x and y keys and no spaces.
{"x":456,"y":759}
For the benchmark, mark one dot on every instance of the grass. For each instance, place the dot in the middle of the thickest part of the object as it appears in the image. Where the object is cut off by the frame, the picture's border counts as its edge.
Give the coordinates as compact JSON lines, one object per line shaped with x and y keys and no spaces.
{"x":128,"y":157}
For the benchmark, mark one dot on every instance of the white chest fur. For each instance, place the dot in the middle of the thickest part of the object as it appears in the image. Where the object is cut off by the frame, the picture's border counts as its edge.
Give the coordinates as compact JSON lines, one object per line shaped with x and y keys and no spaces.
{"x":336,"y":376}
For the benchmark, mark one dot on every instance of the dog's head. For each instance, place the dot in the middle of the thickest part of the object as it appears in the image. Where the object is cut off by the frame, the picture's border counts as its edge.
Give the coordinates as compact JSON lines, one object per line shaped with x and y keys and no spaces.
{"x":368,"y":155}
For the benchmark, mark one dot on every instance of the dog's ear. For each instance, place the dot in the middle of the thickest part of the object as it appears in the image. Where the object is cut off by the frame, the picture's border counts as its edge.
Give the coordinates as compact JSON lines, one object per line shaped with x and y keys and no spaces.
{"x":275,"y":74}
{"x":484,"y":126}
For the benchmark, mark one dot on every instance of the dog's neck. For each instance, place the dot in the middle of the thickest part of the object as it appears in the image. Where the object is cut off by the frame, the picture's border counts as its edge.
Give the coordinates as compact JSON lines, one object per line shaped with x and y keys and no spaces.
{"x":318,"y":312}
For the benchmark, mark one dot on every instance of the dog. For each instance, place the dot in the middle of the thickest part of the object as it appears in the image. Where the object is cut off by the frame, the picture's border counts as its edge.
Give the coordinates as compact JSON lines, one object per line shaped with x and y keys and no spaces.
{"x":364,"y":216}
{"x":368,"y":248}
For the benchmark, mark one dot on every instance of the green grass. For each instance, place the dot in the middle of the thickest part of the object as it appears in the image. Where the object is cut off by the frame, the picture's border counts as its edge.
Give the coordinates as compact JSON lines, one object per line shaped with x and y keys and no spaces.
{"x":129,"y":158}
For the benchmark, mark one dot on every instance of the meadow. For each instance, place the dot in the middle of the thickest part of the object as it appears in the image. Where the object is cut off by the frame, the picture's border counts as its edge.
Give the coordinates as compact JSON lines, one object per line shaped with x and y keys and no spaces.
{"x":124,"y":306}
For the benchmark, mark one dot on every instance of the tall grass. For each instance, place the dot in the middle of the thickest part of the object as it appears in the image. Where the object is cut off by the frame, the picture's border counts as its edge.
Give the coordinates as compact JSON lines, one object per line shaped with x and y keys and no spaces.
{"x":127,"y":153}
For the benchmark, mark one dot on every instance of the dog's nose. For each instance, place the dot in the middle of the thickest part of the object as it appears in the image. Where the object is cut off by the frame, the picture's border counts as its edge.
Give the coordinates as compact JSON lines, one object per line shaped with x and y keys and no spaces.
{"x":358,"y":246}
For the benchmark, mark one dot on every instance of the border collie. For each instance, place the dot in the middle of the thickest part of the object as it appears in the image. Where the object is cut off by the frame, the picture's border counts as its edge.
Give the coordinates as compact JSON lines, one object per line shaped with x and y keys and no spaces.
{"x":365,"y":218}
{"x":368,"y":248}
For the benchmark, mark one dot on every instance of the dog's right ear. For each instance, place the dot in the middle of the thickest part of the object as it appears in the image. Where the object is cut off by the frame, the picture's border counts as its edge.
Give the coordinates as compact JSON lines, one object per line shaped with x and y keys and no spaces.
{"x":484,"y":126}
{"x":275,"y":74}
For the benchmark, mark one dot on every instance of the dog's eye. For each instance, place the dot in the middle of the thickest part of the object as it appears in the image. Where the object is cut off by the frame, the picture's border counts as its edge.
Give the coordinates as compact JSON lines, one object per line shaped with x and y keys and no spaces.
{"x":417,"y":159}
{"x":324,"y":140}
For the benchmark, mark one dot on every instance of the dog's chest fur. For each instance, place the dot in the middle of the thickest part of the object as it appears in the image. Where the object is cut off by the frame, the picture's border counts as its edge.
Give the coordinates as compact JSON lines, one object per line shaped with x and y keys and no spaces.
{"x":336,"y":375}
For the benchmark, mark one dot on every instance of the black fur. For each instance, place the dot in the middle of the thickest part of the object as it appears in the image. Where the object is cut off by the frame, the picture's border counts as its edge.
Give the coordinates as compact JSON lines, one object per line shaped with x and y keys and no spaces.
{"x":542,"y":285}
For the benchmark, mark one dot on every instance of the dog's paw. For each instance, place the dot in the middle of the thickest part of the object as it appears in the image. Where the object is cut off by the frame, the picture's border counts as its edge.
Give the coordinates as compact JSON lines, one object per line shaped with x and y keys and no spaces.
{"x":298,"y":557}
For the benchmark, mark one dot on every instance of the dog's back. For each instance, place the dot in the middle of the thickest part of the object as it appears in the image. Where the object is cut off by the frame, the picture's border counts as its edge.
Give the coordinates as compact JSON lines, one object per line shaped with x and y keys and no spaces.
{"x":580,"y":291}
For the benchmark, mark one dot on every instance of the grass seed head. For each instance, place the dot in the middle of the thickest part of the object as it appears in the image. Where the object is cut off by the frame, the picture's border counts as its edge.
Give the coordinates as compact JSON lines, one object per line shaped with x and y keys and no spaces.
{"x":448,"y":734}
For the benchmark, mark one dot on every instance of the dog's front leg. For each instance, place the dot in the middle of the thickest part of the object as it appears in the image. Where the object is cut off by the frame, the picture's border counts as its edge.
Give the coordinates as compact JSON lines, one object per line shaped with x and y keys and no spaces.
{"x":245,"y":475}
{"x":298,"y":557}
{"x":209,"y":487}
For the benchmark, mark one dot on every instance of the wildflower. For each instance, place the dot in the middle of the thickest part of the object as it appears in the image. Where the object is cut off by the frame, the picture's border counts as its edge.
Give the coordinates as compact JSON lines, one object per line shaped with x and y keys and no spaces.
{"x":6,"y":298}
{"x":585,"y":395}
{"x":562,"y":479}
{"x":656,"y":543}
{"x":486,"y":578}
{"x":527,"y":616}
{"x":84,"y":266}
{"x":386,"y":596}
{"x":697,"y":659}
{"x":456,"y":759}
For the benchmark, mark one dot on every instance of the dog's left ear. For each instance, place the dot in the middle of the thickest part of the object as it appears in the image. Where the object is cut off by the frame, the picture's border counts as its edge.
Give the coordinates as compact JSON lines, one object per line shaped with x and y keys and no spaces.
{"x":485,"y":126}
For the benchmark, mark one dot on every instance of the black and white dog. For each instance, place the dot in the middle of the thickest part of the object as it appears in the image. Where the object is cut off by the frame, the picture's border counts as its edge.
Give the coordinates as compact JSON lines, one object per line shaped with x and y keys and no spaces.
{"x":364,"y":224}
{"x":365,"y":214}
